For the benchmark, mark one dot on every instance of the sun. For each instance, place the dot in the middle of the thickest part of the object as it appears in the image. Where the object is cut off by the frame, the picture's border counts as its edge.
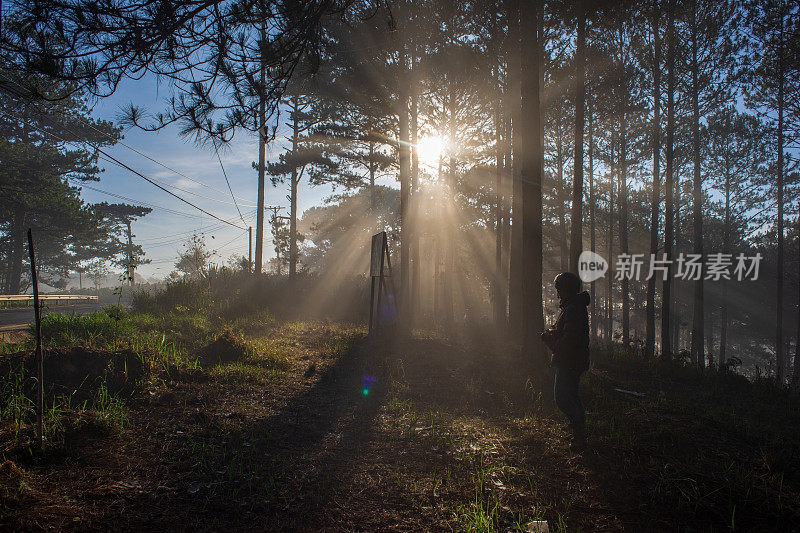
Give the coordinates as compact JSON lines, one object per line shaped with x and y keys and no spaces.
{"x":429,"y":149}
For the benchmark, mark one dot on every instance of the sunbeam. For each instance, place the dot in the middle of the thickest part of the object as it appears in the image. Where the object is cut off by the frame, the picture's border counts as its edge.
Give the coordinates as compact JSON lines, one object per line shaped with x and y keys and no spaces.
{"x":430,"y":149}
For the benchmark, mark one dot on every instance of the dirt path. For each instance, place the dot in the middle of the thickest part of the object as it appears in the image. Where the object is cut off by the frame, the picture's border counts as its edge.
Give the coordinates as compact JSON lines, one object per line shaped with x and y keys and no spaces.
{"x":446,"y":438}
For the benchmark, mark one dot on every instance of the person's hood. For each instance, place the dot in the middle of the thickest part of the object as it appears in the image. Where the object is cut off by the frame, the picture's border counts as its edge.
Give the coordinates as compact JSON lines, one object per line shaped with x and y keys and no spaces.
{"x":582,"y":298}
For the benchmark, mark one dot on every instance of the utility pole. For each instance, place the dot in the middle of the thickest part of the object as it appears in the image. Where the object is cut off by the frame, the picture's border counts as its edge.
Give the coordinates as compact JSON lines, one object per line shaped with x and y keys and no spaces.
{"x":130,"y":253}
{"x":250,"y":249}
{"x":262,"y":141}
{"x":274,"y":222}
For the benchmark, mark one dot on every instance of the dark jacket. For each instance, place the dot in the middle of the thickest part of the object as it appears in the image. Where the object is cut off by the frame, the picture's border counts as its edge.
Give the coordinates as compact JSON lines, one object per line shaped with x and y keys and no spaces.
{"x":569,"y":337}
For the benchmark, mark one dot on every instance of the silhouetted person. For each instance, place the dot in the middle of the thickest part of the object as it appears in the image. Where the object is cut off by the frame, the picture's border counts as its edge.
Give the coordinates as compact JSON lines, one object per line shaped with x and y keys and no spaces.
{"x":568,"y":339}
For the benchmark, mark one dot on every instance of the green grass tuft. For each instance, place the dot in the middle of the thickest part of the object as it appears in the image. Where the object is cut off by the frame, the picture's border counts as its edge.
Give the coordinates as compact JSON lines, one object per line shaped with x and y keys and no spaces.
{"x":104,"y":329}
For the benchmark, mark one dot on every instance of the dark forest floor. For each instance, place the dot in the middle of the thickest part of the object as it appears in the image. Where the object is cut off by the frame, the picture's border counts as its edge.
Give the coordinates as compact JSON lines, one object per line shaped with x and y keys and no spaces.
{"x":449,"y":437}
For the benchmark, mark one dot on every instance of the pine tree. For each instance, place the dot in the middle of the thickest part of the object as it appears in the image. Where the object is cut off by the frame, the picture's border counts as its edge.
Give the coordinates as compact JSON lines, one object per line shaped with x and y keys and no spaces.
{"x":737,"y":162}
{"x":772,"y":86}
{"x":47,"y":150}
{"x":650,"y":327}
{"x":711,"y":58}
{"x":304,"y":152}
{"x":532,"y":173}
{"x":117,"y":220}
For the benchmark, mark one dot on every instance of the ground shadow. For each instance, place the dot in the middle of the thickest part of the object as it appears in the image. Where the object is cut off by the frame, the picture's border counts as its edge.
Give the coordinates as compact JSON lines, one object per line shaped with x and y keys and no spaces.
{"x":288,"y":465}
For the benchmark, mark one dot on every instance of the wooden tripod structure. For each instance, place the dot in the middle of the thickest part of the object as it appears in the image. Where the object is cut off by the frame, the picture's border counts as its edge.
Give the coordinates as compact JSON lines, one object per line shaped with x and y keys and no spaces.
{"x":380,"y":269}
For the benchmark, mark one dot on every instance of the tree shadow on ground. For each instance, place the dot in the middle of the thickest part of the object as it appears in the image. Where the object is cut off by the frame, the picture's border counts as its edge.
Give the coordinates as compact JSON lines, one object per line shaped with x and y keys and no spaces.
{"x":472,"y":375}
{"x":307,"y":453}
{"x":280,"y":471}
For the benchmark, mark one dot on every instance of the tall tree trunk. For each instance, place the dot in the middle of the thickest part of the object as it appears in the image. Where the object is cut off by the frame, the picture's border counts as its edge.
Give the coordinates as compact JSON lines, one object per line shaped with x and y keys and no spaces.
{"x":405,"y":189}
{"x":437,"y":274}
{"x":515,"y":296}
{"x":666,"y":293}
{"x":262,"y":145}
{"x":293,"y":193}
{"x":507,"y":185}
{"x":414,"y":303}
{"x":372,"y":168}
{"x":562,"y":207}
{"x":4,"y":270}
{"x":698,"y":349}
{"x":592,"y":225}
{"x":449,"y":274}
{"x":610,"y":240}
{"x":796,"y":375}
{"x":710,"y":338}
{"x":680,"y":287}
{"x":17,"y":244}
{"x":723,"y":334}
{"x":623,"y":213}
{"x":779,"y":351}
{"x":576,"y":234}
{"x":498,"y":294}
{"x":532,"y":171}
{"x":650,"y":328}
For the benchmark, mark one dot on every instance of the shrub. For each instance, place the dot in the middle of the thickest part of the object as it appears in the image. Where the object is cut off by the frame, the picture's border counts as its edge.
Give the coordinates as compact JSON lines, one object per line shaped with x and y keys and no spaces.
{"x":225,"y":294}
{"x":178,"y":293}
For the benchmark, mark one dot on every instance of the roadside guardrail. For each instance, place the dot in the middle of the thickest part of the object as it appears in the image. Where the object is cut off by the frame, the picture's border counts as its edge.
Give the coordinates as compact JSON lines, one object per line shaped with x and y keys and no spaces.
{"x":47,"y":297}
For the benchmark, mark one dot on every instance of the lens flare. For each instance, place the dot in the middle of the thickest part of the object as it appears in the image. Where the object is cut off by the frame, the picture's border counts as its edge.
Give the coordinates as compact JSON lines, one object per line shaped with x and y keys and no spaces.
{"x":368,"y":382}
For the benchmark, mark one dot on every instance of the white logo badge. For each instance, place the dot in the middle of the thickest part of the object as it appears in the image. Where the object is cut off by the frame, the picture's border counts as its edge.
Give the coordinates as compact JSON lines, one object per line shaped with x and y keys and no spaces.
{"x":591,"y":266}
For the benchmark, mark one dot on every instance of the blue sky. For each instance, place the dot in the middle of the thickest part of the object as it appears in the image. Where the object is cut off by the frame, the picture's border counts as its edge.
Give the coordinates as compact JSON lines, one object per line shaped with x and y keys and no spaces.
{"x":163,"y":233}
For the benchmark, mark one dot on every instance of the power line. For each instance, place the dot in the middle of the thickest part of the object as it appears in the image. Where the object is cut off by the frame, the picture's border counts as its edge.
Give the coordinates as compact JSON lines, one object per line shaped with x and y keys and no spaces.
{"x":107,"y":157}
{"x":230,"y":241}
{"x":154,"y":240}
{"x":129,"y":147}
{"x":112,"y":159}
{"x":171,"y":169}
{"x":128,"y":199}
{"x":152,"y":180}
{"x":228,"y":182}
{"x":167,"y":238}
{"x":187,"y":191}
{"x":177,"y":238}
{"x":251,"y":214}
{"x":162,"y":244}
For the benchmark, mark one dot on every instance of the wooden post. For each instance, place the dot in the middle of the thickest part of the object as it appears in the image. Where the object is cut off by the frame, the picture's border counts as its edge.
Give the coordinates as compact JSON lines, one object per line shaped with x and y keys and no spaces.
{"x":39,"y":362}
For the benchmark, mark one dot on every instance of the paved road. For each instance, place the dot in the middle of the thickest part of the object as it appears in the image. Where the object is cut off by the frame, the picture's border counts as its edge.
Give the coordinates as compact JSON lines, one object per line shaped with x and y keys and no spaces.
{"x":11,"y":319}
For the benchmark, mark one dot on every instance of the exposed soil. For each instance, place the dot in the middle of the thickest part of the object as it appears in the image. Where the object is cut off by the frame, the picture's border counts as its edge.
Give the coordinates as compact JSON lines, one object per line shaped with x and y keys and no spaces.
{"x":418,"y":436}
{"x":224,"y":349}
{"x":76,"y":372}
